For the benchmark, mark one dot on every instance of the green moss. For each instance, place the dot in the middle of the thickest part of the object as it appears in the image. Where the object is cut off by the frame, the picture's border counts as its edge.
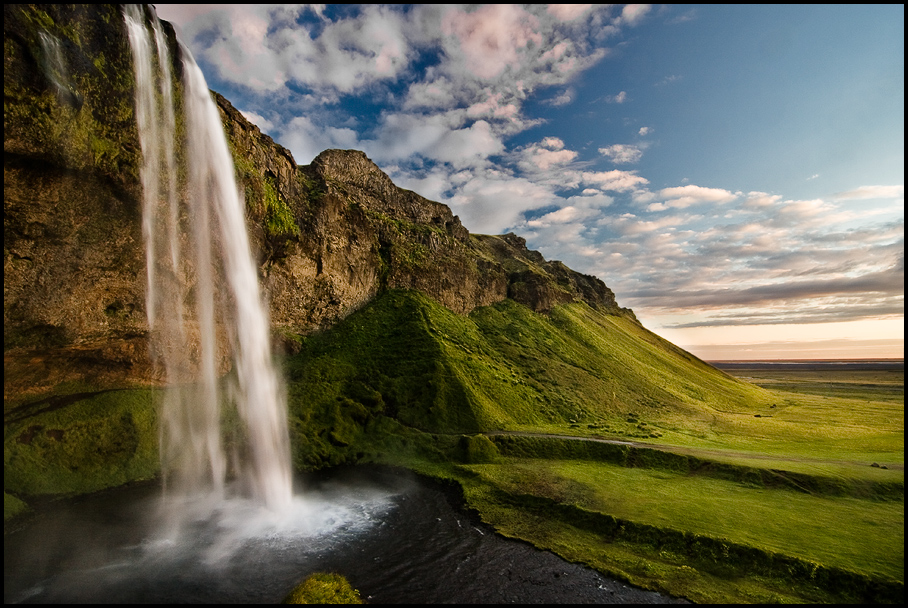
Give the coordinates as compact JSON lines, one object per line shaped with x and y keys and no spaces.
{"x":12,"y":506}
{"x":87,"y":121}
{"x":324,"y":588}
{"x":279,"y":219}
{"x":478,"y":449}
{"x":97,"y":442}
{"x":263,"y":199}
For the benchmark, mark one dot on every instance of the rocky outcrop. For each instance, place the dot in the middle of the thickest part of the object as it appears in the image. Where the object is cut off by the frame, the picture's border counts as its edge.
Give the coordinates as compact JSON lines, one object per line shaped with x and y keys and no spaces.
{"x":73,"y":288}
{"x":329,"y":236}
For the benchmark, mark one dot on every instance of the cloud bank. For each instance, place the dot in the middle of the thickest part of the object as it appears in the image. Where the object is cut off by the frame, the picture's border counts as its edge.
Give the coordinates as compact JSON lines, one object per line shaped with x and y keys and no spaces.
{"x":442,"y":98}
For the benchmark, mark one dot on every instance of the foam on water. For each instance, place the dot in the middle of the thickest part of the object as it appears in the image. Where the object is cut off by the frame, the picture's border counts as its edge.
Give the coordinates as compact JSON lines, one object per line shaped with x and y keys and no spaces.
{"x":219,"y":532}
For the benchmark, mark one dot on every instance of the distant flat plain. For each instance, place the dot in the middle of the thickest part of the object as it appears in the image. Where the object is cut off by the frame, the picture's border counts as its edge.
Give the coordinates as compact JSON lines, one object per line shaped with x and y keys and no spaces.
{"x":874,"y":379}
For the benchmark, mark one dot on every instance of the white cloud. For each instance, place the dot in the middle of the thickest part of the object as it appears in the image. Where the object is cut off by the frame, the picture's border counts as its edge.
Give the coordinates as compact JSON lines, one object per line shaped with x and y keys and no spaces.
{"x":546,"y":159}
{"x":632,"y":14}
{"x":263,"y":46}
{"x":681,"y":197}
{"x":619,"y":98}
{"x":544,"y":155}
{"x":759,"y":200}
{"x":437,"y":93}
{"x":565,"y":215}
{"x":805,"y":209}
{"x":561,"y":100}
{"x":439,"y":137}
{"x":622,"y":153}
{"x":616,"y":181}
{"x":348,"y":54}
{"x":567,"y":12}
{"x":491,"y":38}
{"x":306,"y":139}
{"x":493,"y":107}
{"x":644,"y":131}
{"x":493,"y":202}
{"x":868,"y":192}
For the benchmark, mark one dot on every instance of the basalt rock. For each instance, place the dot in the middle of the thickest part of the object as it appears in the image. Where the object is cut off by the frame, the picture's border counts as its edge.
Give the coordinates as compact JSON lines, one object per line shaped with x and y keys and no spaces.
{"x":329,"y":236}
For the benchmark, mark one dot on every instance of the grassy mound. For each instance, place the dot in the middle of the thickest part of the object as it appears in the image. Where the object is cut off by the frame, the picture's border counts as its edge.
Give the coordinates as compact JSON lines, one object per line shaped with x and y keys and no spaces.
{"x":324,"y":588}
{"x":74,"y":444}
{"x":406,"y":358}
{"x":619,"y":449}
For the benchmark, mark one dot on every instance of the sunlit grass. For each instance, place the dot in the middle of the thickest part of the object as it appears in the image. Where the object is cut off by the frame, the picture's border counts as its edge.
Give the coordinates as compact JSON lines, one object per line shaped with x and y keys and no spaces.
{"x":578,"y":372}
{"x":859,"y":535}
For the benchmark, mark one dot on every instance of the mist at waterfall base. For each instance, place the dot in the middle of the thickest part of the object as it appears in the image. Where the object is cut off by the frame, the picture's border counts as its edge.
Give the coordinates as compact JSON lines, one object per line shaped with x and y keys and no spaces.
{"x":224,"y":524}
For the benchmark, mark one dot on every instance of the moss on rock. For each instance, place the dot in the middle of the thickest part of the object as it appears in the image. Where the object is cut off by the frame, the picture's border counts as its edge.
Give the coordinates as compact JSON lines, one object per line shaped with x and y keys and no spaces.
{"x":324,"y":588}
{"x":100,"y":441}
{"x":13,"y":506}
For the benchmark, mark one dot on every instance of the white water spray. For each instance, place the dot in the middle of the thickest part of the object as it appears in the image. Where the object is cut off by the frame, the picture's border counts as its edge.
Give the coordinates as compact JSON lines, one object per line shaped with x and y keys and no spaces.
{"x":203,"y":298}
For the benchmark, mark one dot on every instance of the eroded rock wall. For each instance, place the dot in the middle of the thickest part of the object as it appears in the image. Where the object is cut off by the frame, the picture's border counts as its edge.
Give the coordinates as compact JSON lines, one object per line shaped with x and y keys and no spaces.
{"x":329,"y":236}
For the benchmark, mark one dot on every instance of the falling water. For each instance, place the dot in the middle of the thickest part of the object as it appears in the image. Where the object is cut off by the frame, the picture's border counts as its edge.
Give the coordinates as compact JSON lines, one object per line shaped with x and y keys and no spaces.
{"x":203,"y":298}
{"x":54,"y":68}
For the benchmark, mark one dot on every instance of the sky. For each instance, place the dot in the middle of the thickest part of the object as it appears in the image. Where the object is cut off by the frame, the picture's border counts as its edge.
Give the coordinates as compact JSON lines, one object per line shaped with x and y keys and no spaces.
{"x":735,"y":174}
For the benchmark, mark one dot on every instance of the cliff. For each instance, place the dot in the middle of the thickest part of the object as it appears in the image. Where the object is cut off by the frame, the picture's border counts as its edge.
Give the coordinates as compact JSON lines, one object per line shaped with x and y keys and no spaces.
{"x":330,"y":236}
{"x":350,"y":233}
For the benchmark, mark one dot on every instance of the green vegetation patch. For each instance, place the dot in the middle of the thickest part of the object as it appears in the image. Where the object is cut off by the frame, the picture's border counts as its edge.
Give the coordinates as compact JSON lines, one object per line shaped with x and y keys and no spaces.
{"x":634,"y":524}
{"x":700,"y":568}
{"x":563,"y":448}
{"x":324,"y":588}
{"x":78,"y":108}
{"x":13,"y":506}
{"x":842,"y":532}
{"x":406,"y":357}
{"x":478,"y":449}
{"x":102,"y":440}
{"x":263,"y":199}
{"x":279,"y":219}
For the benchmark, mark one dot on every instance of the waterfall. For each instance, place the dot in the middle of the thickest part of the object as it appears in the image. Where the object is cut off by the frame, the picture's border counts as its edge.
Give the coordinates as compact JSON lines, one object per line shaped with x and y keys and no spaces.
{"x":203,"y":298}
{"x":55,"y":70}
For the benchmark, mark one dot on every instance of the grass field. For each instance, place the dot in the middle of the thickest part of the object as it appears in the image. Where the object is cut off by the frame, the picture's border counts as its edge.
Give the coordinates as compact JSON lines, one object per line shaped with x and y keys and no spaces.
{"x":840,"y":514}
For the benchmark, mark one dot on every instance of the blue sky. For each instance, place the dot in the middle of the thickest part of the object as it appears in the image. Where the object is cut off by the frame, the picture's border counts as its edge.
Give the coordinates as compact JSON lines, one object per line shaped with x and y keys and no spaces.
{"x":734,"y":173}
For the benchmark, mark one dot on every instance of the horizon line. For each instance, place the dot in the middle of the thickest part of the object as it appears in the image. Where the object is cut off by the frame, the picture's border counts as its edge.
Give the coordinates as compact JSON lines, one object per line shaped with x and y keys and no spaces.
{"x":812,"y":360}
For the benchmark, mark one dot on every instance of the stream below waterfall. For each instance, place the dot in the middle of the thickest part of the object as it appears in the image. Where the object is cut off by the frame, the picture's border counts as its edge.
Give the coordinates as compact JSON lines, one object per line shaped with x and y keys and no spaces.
{"x":396,"y":537}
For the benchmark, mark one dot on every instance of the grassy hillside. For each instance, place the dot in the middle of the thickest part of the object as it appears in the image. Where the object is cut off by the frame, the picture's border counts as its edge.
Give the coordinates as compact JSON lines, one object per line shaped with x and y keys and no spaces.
{"x":503,"y":367}
{"x":710,"y":488}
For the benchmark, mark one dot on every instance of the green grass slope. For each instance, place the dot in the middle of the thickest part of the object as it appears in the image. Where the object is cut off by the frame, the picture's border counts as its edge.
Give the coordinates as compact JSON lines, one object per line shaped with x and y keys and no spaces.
{"x":408,"y":359}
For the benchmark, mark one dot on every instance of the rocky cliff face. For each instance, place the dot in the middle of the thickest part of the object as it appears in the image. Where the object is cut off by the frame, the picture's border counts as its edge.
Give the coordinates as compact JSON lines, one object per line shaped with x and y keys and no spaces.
{"x":73,"y":260}
{"x":330,"y":236}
